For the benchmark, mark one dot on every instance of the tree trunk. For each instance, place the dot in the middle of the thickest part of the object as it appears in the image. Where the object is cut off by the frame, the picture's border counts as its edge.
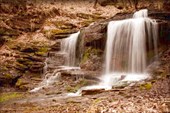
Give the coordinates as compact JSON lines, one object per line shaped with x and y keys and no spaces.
{"x":95,"y":3}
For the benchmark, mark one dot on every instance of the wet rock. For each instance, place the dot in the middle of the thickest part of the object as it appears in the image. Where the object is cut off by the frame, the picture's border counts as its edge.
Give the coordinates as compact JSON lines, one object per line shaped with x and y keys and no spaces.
{"x":34,"y":58}
{"x":22,"y":84}
{"x":21,"y":67}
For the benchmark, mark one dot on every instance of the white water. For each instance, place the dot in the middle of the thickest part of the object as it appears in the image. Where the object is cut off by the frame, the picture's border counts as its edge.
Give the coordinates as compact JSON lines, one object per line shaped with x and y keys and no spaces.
{"x":52,"y":78}
{"x":49,"y":80}
{"x":68,"y":46}
{"x":126,"y":43}
{"x":141,"y":14}
{"x":126,"y":51}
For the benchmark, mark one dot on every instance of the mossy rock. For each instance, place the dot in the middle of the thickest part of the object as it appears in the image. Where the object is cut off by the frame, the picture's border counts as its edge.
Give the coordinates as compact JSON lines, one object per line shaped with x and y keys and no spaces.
{"x":64,"y":25}
{"x":8,"y":76}
{"x":86,"y":23}
{"x":21,"y":83}
{"x":58,"y":33}
{"x":9,"y":96}
{"x":25,"y":62}
{"x":29,"y":50}
{"x":146,"y":86}
{"x":89,"y":52}
{"x":75,"y":88}
{"x":21,"y":67}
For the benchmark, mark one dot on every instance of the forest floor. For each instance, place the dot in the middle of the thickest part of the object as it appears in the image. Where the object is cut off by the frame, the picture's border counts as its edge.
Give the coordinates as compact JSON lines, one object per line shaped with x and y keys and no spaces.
{"x":152,"y":96}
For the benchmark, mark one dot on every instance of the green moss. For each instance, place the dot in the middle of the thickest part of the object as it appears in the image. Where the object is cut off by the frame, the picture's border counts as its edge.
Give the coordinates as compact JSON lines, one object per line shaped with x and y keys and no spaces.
{"x":25,"y":62}
{"x":98,"y":100}
{"x":8,"y":96}
{"x":80,"y":84}
{"x":19,"y":82}
{"x":83,"y":82}
{"x":146,"y":86}
{"x":71,"y":89}
{"x":86,"y":22}
{"x":7,"y":75}
{"x":4,"y":68}
{"x":43,"y":49}
{"x":90,"y":51}
{"x":51,"y":33}
{"x":63,"y":25}
{"x":40,"y":53}
{"x":21,"y":66}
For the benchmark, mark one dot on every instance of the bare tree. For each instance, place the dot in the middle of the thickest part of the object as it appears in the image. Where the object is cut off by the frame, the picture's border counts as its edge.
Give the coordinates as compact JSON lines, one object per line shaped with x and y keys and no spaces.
{"x":95,"y":3}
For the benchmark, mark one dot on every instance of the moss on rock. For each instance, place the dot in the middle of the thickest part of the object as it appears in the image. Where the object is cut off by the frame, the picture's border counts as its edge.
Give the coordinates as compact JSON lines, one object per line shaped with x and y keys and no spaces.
{"x":8,"y":96}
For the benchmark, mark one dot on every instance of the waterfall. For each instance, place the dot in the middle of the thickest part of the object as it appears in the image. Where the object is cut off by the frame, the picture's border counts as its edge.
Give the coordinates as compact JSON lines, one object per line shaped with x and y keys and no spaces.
{"x":126,"y":51}
{"x":126,"y":45}
{"x":68,"y":46}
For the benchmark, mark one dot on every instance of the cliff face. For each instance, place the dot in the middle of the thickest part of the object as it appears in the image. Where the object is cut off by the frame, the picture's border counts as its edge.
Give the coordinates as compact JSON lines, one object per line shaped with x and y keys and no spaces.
{"x":94,"y":38}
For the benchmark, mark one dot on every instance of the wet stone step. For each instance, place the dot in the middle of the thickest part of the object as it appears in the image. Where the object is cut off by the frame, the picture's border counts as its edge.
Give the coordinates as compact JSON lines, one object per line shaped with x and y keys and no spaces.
{"x":56,"y":46}
{"x":56,"y":54}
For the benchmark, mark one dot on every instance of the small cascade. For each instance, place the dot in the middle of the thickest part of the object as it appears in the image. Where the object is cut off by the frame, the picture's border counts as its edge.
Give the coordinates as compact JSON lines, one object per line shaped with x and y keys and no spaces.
{"x":49,"y":80}
{"x":141,"y":14}
{"x":68,"y":46}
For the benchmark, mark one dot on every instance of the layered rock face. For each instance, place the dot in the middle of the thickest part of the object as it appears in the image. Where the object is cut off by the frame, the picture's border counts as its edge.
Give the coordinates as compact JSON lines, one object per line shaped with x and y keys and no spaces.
{"x":93,"y":39}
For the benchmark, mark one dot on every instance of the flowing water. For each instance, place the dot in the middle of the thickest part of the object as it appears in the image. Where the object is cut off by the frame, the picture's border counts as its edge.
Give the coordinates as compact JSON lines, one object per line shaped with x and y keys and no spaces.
{"x":68,"y":46}
{"x":126,"y":51}
{"x":127,"y":44}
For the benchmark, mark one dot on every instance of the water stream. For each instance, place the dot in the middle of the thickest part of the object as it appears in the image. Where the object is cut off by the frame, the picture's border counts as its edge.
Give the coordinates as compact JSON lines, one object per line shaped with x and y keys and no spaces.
{"x":126,"y":51}
{"x":68,"y":48}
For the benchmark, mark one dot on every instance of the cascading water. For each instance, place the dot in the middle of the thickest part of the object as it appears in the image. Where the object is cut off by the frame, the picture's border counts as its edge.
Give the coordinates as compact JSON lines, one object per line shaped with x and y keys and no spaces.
{"x":127,"y":44}
{"x":126,"y":51}
{"x":68,"y":46}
